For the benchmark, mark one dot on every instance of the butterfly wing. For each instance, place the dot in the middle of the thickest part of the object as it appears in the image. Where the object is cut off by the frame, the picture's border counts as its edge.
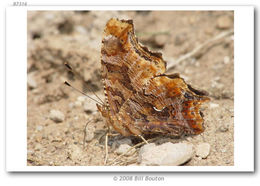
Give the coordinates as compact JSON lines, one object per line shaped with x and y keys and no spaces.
{"x":126,"y":66}
{"x":139,"y":97}
{"x":168,"y":106}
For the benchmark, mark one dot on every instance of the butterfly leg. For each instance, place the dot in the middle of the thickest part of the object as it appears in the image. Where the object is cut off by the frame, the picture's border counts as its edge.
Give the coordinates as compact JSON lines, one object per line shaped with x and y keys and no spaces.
{"x":108,"y":133}
{"x":106,"y":147}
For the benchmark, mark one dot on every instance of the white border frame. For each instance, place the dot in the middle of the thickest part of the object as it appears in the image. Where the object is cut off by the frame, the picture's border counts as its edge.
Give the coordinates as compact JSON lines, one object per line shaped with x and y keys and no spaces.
{"x":16,"y":87}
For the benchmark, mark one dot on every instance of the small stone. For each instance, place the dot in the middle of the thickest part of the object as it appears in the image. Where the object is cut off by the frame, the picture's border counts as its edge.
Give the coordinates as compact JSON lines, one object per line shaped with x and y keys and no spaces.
{"x":90,"y":106}
{"x":31,"y":81}
{"x":226,"y":60}
{"x":224,"y":22}
{"x":227,"y":161}
{"x":223,"y":128}
{"x":57,"y":116}
{"x":203,"y":150}
{"x":71,"y":105}
{"x":199,"y":158}
{"x":77,"y":104}
{"x":223,"y":150}
{"x":90,"y":133}
{"x":161,"y":40}
{"x":39,"y":128}
{"x":209,"y":30}
{"x":75,"y":152}
{"x":80,"y":29}
{"x":180,"y":39}
{"x":219,"y":85}
{"x":124,"y":141}
{"x":81,"y":98}
{"x":89,"y":136}
{"x":38,"y":147}
{"x":197,"y":64}
{"x":165,"y":154}
{"x":122,"y":149}
{"x":213,"y":105}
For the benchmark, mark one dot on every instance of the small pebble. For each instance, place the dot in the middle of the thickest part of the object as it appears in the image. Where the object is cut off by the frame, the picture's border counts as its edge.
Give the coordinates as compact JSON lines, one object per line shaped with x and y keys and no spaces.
{"x":90,"y":133}
{"x":71,"y":105}
{"x":77,"y":103}
{"x":39,"y":128}
{"x":203,"y":150}
{"x":224,"y":22}
{"x":180,"y":39}
{"x":89,"y":136}
{"x":123,"y":149}
{"x":226,"y":60}
{"x":124,"y":141}
{"x":227,"y":162}
{"x":81,"y":98}
{"x":31,"y":81}
{"x":38,"y":147}
{"x":75,"y":152}
{"x":57,"y":116}
{"x":199,"y":158}
{"x":223,"y":128}
{"x":80,"y":29}
{"x":223,"y":150}
{"x":197,"y":64}
{"x":209,"y":30}
{"x":161,"y":40}
{"x":219,"y":85}
{"x":90,"y":106}
{"x":213,"y":105}
{"x":165,"y":154}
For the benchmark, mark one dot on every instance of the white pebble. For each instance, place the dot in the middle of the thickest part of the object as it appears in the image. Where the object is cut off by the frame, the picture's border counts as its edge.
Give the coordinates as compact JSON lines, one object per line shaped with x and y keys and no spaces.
{"x":31,"y":81}
{"x":81,"y":98}
{"x":90,"y":133}
{"x":39,"y":128}
{"x":124,"y":141}
{"x":226,"y":60}
{"x":122,"y":149}
{"x":71,"y":105}
{"x":213,"y":105}
{"x":38,"y":147}
{"x":224,"y":22}
{"x":223,"y":150}
{"x":165,"y":154}
{"x":80,"y":29}
{"x":203,"y":150}
{"x":90,"y":106}
{"x":75,"y":152}
{"x":223,"y":128}
{"x":77,"y":104}
{"x":57,"y":116}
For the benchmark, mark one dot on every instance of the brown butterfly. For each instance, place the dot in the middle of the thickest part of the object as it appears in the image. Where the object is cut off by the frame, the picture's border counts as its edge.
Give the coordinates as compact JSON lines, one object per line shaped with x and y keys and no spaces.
{"x":140,"y":97}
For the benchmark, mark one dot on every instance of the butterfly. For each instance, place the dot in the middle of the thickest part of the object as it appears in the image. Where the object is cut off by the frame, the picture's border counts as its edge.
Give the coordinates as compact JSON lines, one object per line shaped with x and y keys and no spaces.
{"x":139,"y":97}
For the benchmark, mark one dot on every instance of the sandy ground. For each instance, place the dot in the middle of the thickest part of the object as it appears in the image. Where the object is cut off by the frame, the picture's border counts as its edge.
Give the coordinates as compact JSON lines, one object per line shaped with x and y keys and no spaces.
{"x":75,"y":37}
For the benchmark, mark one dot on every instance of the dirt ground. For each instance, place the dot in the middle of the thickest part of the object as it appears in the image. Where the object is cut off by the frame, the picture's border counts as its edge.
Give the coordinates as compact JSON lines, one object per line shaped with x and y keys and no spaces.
{"x":56,"y":37}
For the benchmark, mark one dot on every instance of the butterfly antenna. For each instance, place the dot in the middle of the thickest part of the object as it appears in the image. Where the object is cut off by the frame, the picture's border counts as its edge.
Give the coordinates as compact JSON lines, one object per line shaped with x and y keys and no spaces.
{"x":66,"y":83}
{"x":73,"y":72}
